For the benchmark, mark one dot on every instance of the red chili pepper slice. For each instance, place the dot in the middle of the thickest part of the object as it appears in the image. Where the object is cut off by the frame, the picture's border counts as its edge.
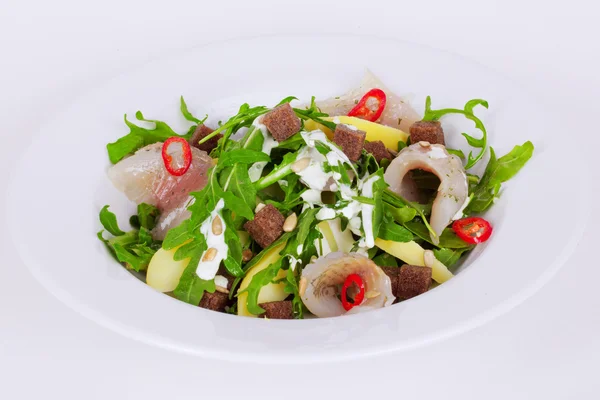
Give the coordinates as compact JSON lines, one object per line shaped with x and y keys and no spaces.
{"x":186,"y":154}
{"x":472,"y":230}
{"x":350,"y":280}
{"x":363,"y":111}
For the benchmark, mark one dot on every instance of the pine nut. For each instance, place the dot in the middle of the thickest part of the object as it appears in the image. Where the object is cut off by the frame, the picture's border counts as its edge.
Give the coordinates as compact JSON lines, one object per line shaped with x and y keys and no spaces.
{"x":424,"y":143}
{"x":247,"y":255}
{"x":259,"y":207}
{"x":210,"y":254}
{"x":428,"y":258}
{"x":217,"y":226}
{"x":290,"y":223}
{"x":300,"y":164}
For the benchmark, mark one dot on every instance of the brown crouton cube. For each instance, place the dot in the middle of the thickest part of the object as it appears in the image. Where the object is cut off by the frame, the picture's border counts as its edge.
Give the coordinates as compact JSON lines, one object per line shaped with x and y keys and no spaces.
{"x":266,"y":227}
{"x":350,"y":139}
{"x":427,"y":131}
{"x":282,"y":122}
{"x":214,"y":301}
{"x":278,"y":310}
{"x":200,"y":133}
{"x":378,"y":150}
{"x":413,"y":281}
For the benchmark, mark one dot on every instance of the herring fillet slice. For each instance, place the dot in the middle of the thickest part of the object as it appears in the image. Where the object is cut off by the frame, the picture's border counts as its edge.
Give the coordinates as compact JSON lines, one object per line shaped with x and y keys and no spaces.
{"x":143,"y":178}
{"x":398,"y":112}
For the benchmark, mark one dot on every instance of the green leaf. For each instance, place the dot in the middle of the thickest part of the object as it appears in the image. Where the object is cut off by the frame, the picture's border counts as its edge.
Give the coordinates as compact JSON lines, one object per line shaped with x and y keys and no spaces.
{"x":177,"y":236}
{"x":497,"y":172}
{"x":434,"y":115}
{"x":305,"y":223}
{"x":109,"y":222}
{"x":447,"y":239}
{"x":242,"y":156}
{"x":279,"y":172}
{"x":191,"y":288}
{"x":138,"y":137}
{"x":237,"y":205}
{"x":188,"y":115}
{"x":394,"y":232}
{"x":457,"y":153}
{"x":259,"y":280}
{"x":286,"y":100}
{"x":291,"y":287}
{"x":137,"y":262}
{"x":448,"y":257}
{"x":385,"y":260}
{"x":147,"y":215}
{"x":241,"y":186}
{"x":313,"y":112}
{"x":378,"y":188}
{"x":401,"y":214}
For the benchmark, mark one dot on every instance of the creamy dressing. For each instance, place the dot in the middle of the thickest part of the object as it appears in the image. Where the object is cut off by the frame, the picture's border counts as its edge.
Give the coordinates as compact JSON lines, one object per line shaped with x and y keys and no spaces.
{"x":367,"y":211}
{"x":325,"y":213}
{"x":351,"y":127}
{"x":256,"y":169}
{"x":437,"y":152}
{"x":221,"y":281}
{"x":208,"y":269}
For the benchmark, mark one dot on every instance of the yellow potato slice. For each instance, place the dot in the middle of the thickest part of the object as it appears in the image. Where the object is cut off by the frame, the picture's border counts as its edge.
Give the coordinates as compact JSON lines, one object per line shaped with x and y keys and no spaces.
{"x":269,"y":292}
{"x":388,"y":135}
{"x":412,"y":253}
{"x":163,"y":271}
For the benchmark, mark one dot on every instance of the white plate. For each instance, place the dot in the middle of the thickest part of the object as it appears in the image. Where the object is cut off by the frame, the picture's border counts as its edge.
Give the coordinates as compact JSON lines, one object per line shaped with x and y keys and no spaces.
{"x":60,"y":186}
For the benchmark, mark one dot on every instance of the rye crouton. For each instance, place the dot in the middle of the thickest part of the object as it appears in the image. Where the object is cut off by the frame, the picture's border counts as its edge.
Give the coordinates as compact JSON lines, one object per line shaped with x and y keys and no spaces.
{"x":266,"y":227}
{"x":214,"y":301}
{"x":282,"y":122}
{"x":378,"y":150}
{"x":350,"y":139}
{"x":200,"y":133}
{"x":413,"y":281}
{"x":427,"y":131}
{"x":278,"y":310}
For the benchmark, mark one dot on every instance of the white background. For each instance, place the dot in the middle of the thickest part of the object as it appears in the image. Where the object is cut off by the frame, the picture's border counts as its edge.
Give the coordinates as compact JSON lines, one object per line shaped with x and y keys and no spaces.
{"x":547,"y":348}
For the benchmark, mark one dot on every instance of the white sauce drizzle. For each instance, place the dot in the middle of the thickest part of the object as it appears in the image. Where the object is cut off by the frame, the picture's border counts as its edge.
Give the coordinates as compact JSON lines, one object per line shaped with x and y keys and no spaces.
{"x":208,"y":269}
{"x":256,"y":169}
{"x":221,"y":281}
{"x":436,"y":152}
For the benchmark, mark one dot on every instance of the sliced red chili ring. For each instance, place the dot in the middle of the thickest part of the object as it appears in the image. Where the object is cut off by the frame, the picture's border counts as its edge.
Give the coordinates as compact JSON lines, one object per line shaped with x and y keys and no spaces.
{"x":472,"y":230}
{"x":186,"y":154}
{"x":352,"y":279}
{"x":364,"y":111}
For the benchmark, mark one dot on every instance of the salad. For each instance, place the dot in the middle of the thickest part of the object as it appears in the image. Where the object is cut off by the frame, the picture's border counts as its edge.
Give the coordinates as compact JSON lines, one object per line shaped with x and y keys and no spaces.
{"x":336,"y":207}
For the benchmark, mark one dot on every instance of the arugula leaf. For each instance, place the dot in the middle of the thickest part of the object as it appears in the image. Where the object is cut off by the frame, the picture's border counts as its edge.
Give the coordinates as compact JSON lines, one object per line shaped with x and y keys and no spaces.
{"x":191,"y":288}
{"x":447,"y":239}
{"x":241,"y":186}
{"x":401,"y":214}
{"x":434,"y":115}
{"x":188,"y":115}
{"x":305,"y":223}
{"x":378,"y":187}
{"x":259,"y":280}
{"x":449,"y":257}
{"x":385,"y":260}
{"x":313,"y":112}
{"x":497,"y":172}
{"x":147,"y":215}
{"x":458,"y":153}
{"x":291,"y":287}
{"x":279,"y":172}
{"x":242,"y":156}
{"x":109,"y":222}
{"x":394,"y":232}
{"x":237,"y":205}
{"x":134,"y":248}
{"x":177,"y":236}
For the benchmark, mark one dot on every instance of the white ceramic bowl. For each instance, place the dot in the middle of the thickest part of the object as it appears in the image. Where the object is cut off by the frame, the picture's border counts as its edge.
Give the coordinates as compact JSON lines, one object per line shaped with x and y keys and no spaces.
{"x":60,"y":186}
